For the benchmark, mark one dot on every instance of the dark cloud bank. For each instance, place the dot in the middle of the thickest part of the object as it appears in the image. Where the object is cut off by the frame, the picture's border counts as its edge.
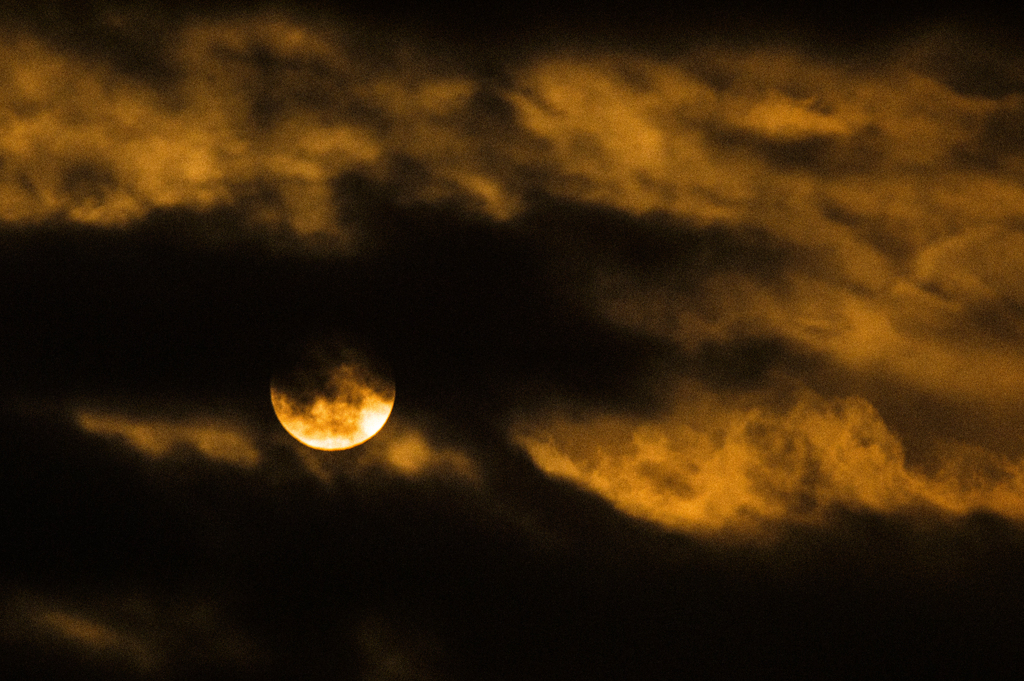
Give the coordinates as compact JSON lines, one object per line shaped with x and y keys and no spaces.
{"x":707,"y":358}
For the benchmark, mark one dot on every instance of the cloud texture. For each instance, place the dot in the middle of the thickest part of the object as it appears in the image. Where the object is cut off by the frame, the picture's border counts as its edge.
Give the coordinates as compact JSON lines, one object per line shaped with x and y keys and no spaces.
{"x":707,"y":349}
{"x":863,"y":215}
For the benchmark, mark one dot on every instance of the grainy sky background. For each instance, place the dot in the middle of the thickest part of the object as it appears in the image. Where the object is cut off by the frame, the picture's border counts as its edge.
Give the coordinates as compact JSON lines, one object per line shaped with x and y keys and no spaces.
{"x":706,"y":327}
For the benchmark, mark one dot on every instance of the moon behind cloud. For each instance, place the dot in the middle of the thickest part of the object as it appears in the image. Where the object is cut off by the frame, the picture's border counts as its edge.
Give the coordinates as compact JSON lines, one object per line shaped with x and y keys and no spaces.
{"x":333,"y":396}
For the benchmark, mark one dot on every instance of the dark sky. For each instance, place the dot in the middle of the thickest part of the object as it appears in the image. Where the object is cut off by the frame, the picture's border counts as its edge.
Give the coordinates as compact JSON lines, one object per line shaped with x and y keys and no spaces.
{"x":705,"y":325}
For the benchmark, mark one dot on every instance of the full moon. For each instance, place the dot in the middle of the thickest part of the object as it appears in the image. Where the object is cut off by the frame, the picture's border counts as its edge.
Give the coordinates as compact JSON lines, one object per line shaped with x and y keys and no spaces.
{"x":332,"y":394}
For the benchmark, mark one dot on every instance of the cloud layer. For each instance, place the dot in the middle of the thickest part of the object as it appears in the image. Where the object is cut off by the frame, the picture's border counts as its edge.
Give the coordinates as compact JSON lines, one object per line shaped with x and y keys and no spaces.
{"x":707,"y":352}
{"x":710,"y":467}
{"x":864,"y":215}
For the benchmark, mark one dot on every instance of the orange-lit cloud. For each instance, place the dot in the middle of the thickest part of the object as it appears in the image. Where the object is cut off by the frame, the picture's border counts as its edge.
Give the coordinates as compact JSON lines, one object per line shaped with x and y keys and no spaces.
{"x":159,"y":437}
{"x":400,"y":449}
{"x":710,"y":466}
{"x":897,"y":193}
{"x":638,"y":148}
{"x":263,"y":113}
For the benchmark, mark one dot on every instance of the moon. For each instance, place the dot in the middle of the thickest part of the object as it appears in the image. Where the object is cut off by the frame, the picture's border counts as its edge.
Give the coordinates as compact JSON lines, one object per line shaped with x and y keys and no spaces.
{"x":332,"y":394}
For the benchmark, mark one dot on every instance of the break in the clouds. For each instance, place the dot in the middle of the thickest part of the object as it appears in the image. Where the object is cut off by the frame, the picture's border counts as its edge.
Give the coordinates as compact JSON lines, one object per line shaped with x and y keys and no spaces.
{"x":887,"y":195}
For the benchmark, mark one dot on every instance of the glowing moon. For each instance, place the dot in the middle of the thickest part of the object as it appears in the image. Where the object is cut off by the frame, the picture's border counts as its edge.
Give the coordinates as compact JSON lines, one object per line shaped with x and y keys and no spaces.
{"x":332,"y":395}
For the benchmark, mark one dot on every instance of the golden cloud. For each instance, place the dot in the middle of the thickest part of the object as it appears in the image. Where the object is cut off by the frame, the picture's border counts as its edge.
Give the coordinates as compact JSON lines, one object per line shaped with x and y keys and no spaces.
{"x":907,"y":264}
{"x":638,"y":149}
{"x":781,"y":117}
{"x":262,"y":113}
{"x":713,"y":467}
{"x":159,"y":437}
{"x":85,"y":142}
{"x":897,"y":188}
{"x":400,"y":449}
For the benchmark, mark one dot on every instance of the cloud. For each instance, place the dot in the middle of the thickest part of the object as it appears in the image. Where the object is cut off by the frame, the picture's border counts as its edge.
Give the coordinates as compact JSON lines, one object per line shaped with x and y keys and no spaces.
{"x":635,"y":147}
{"x":783,"y":118}
{"x":863,"y":213}
{"x":263,"y":113}
{"x":158,"y":437}
{"x":56,"y":626}
{"x":142,"y":634}
{"x":894,"y":250}
{"x":712,"y":465}
{"x":86,"y":633}
{"x":400,"y":449}
{"x":905,"y":334}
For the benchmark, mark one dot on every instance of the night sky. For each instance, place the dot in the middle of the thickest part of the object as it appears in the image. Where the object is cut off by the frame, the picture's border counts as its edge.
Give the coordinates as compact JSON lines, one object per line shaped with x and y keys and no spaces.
{"x":706,"y":327}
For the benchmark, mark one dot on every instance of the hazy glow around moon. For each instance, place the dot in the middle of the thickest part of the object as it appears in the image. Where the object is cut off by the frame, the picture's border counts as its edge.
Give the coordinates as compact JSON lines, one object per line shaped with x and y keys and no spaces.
{"x":335,"y":397}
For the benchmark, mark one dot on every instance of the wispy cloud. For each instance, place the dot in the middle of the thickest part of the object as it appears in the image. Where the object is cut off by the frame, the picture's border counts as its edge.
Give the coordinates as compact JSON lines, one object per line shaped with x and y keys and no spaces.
{"x":401,"y":449}
{"x":158,"y":437}
{"x":81,"y":631}
{"x":114,"y":633}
